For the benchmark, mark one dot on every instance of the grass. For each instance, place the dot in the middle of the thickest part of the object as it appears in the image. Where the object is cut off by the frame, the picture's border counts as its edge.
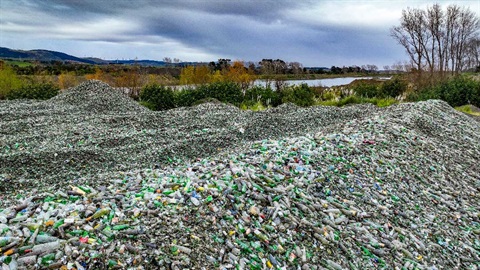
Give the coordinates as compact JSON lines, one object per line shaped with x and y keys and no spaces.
{"x":258,"y":106}
{"x":467,"y":109}
{"x":18,"y":63}
{"x":380,"y":102}
{"x":328,"y":103}
{"x":385,"y":102}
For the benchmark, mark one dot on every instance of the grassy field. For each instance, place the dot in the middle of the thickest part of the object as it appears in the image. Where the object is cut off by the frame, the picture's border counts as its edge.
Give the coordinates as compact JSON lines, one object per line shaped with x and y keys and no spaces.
{"x":18,"y":63}
{"x":469,"y":109}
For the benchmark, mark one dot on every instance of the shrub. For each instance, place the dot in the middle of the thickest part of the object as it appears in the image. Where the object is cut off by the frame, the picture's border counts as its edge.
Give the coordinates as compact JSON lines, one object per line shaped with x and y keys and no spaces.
{"x":457,"y":91}
{"x":187,"y":97}
{"x":392,"y":88}
{"x":328,"y":95}
{"x":301,"y":95}
{"x":266,"y":95}
{"x":254,"y":106}
{"x":8,"y":81}
{"x":40,"y":91}
{"x":257,"y":107}
{"x":147,"y":104}
{"x":328,"y":103}
{"x":224,"y":91}
{"x":358,"y":100}
{"x":423,"y":94}
{"x":157,"y":97}
{"x":67,"y":80}
{"x":366,"y":90}
{"x":319,"y":90}
{"x":384,"y":102}
{"x":349,"y":100}
{"x":468,"y":109}
{"x":206,"y":100}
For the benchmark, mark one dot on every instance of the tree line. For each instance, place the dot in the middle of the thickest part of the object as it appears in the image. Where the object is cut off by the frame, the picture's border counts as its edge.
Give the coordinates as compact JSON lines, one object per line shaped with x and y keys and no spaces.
{"x":439,"y":40}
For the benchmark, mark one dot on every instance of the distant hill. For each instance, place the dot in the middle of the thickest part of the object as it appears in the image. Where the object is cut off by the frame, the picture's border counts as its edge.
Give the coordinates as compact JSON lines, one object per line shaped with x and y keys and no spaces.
{"x":47,"y":56}
{"x":40,"y":55}
{"x":153,"y":63}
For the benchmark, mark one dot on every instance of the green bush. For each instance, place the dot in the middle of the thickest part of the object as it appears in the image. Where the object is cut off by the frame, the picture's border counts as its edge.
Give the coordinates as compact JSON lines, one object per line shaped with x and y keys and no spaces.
{"x":147,"y":104}
{"x":328,"y":103}
{"x":328,"y":96}
{"x":366,"y":90}
{"x":187,"y":97}
{"x":206,"y":100}
{"x":157,"y":97}
{"x":8,"y":81}
{"x":349,"y":100}
{"x":228,"y":92}
{"x":39,"y":91}
{"x":467,"y":109}
{"x":358,"y":100}
{"x":253,"y":106}
{"x":301,"y":95}
{"x":392,"y":88}
{"x":382,"y":102}
{"x":423,"y":94}
{"x":266,"y":95}
{"x":457,"y":91}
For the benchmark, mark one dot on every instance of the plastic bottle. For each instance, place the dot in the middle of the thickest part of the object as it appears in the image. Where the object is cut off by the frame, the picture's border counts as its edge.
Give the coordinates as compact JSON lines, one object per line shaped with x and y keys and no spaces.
{"x":5,"y":259}
{"x":120,"y":227}
{"x":47,"y":259}
{"x":41,"y":239}
{"x":44,"y":248}
{"x":13,"y":265}
{"x":27,"y":260}
{"x":85,"y":189}
{"x":6,"y":240}
{"x":58,"y":223}
{"x":100,"y":213}
{"x":112,"y":263}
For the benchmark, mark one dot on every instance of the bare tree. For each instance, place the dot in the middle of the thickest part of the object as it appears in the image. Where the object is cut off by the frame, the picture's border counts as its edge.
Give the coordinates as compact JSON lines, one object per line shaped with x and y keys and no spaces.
{"x":295,"y":67}
{"x":279,"y":66}
{"x":397,"y":66}
{"x":411,"y":35}
{"x":372,"y":68}
{"x":468,"y":26}
{"x":167,"y":60}
{"x":251,"y":67}
{"x":438,"y":40}
{"x":473,"y":54}
{"x":266,"y":67}
{"x":434,"y":24}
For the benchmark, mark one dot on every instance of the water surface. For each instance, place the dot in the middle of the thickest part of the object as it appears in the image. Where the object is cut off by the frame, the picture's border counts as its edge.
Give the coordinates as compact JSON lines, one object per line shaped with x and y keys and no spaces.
{"x":324,"y":82}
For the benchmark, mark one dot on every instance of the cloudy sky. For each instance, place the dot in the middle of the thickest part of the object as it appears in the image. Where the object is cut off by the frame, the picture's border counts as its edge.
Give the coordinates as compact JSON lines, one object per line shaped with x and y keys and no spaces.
{"x":314,"y":33}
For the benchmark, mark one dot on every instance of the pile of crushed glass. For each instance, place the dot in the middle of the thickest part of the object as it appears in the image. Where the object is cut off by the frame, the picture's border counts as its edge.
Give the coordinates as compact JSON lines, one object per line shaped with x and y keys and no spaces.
{"x":288,"y":188}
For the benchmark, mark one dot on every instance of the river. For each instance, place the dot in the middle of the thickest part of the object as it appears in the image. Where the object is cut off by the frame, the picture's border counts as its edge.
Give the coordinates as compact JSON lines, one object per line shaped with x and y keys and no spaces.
{"x":324,"y":82}
{"x":314,"y":82}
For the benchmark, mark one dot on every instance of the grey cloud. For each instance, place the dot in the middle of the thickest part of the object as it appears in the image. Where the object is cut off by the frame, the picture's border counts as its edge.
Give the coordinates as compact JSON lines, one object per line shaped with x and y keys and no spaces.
{"x":248,"y":29}
{"x":260,"y":10}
